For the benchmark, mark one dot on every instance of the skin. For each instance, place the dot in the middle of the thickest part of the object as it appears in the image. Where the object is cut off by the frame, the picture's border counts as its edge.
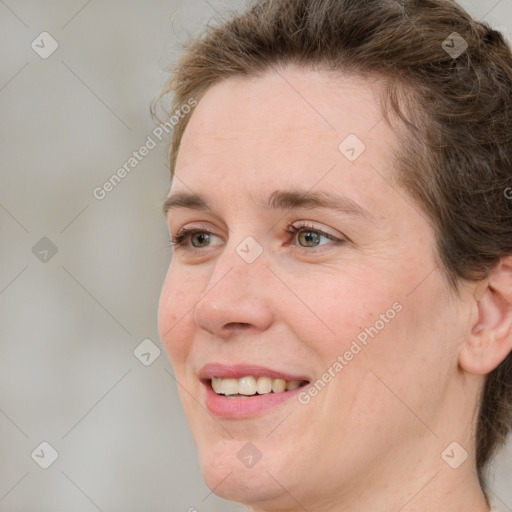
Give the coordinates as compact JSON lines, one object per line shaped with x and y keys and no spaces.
{"x":372,"y":439}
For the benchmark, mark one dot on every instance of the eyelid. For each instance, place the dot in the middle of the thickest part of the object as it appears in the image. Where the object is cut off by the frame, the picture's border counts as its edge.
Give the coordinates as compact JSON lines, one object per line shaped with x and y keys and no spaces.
{"x":194,"y":228}
{"x":301,"y":224}
{"x":307,"y":224}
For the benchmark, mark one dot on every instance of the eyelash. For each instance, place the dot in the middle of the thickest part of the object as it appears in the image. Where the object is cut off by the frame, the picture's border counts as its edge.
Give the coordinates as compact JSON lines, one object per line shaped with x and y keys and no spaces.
{"x":184,"y":234}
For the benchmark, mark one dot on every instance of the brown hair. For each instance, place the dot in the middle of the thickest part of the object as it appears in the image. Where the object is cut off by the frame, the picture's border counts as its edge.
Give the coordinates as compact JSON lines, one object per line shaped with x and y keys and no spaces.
{"x":456,"y":157}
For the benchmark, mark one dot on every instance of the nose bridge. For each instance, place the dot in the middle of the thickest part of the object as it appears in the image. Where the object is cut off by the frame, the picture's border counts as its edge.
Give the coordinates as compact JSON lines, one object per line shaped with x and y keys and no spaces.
{"x":236,"y":293}
{"x":243,"y":258}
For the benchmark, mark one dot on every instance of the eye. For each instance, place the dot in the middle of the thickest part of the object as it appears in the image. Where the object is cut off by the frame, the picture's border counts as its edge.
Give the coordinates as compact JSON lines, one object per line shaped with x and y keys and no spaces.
{"x":198,"y":237}
{"x":310,"y":236}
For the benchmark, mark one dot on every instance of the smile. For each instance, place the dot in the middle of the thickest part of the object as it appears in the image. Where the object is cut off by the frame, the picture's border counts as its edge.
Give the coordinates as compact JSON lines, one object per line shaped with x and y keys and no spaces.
{"x":243,"y":391}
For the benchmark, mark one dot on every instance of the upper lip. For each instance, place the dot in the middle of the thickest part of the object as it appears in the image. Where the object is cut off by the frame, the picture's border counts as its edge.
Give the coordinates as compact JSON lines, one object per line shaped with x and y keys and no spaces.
{"x":237,"y":371}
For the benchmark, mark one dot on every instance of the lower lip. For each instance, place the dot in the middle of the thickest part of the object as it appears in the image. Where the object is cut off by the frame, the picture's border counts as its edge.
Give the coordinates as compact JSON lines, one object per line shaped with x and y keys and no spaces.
{"x":234,"y":408}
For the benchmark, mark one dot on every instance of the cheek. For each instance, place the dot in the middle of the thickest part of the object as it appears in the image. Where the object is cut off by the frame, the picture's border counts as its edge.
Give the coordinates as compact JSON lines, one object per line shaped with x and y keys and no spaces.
{"x":340,"y":307}
{"x":373,"y":327}
{"x":175,"y":311}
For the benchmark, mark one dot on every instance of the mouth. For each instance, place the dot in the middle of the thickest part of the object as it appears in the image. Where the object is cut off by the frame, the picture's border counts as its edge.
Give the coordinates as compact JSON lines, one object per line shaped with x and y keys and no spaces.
{"x":243,"y":391}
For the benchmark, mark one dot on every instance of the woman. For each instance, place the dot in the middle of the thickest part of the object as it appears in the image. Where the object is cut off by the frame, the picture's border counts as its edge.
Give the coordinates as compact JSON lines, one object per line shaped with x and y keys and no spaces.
{"x":338,"y":308}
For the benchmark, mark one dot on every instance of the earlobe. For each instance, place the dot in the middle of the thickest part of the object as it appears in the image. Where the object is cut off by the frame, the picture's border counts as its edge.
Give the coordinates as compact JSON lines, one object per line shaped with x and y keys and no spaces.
{"x":490,"y":340}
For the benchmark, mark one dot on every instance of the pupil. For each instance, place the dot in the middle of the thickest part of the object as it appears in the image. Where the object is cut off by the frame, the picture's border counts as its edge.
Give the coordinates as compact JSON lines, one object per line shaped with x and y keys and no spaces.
{"x":201,"y":237}
{"x":310,"y":236}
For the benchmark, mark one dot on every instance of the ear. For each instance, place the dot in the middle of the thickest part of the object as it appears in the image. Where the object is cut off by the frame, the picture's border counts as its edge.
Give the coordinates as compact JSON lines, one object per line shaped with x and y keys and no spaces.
{"x":490,"y":339}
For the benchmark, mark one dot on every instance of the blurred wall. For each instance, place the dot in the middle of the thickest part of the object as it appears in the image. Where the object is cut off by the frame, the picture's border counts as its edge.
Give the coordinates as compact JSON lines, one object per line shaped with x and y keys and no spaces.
{"x":81,"y":365}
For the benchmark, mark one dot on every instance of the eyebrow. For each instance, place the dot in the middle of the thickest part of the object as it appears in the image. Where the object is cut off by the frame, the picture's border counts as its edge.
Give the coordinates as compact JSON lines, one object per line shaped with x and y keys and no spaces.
{"x":277,"y":200}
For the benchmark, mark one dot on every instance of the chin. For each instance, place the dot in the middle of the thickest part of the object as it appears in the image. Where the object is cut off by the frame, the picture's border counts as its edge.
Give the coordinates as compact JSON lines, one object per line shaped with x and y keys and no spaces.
{"x":225,"y":473}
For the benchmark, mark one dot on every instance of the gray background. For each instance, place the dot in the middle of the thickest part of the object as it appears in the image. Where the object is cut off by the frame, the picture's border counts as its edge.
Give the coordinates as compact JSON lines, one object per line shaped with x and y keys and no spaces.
{"x":70,"y":322}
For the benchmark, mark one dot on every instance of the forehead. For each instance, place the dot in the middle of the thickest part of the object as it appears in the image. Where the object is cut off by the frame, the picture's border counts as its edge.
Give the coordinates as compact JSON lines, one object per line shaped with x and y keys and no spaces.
{"x":289,"y":100}
{"x":287,"y":124}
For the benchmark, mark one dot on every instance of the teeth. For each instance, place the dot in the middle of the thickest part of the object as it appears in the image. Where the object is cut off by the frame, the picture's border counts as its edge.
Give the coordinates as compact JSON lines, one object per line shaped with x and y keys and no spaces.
{"x":292,"y":384}
{"x":225,"y":386}
{"x":278,"y":385}
{"x":264,"y":385}
{"x":217,"y":385}
{"x":249,"y":386}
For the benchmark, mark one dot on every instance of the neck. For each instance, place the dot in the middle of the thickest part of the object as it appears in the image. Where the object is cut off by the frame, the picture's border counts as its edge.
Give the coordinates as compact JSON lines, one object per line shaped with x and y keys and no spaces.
{"x":421,"y":485}
{"x":430,"y":491}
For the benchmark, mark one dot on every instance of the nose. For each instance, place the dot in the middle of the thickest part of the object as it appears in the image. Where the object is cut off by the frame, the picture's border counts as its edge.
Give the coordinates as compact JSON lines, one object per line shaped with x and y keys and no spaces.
{"x":237,"y":297}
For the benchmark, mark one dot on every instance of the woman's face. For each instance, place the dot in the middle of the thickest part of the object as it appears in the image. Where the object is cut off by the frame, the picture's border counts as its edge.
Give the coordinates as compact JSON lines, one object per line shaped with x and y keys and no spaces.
{"x":352,"y":306}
